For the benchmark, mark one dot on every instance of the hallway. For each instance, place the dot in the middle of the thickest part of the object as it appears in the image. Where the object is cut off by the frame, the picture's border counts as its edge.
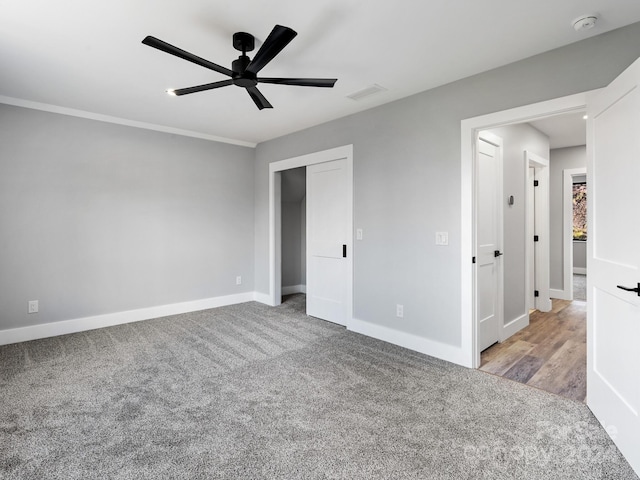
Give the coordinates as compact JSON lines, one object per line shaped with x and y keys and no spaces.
{"x":549,"y":354}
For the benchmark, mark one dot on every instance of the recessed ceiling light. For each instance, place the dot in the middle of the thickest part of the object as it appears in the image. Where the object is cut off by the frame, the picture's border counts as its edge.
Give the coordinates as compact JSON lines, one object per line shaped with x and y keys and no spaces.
{"x":584,"y":22}
{"x":171,"y":91}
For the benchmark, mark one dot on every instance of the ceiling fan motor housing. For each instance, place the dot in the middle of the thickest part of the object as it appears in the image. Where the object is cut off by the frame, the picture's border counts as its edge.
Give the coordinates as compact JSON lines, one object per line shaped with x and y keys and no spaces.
{"x":241,"y":77}
{"x":243,"y":41}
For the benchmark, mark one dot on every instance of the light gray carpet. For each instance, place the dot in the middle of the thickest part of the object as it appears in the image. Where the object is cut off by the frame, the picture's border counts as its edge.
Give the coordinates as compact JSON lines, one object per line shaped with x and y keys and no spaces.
{"x":252,"y":392}
{"x":579,"y":287}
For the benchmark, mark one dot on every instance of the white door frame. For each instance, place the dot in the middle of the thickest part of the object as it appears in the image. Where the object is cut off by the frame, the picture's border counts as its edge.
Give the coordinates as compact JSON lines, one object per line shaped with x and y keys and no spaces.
{"x":567,"y":229}
{"x":468,"y":132}
{"x":541,"y":222}
{"x":275,"y":240}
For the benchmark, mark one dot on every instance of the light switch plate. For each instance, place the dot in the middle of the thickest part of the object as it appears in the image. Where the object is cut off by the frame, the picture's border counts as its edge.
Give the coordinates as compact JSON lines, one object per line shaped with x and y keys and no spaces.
{"x":442,"y":238}
{"x":359,"y":234}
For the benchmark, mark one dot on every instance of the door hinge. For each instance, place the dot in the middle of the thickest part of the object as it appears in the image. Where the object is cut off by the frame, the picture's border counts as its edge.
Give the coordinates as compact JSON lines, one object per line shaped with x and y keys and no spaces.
{"x":536,"y":238}
{"x":536,"y":183}
{"x":473,"y":260}
{"x":344,"y":251}
{"x":536,"y":293}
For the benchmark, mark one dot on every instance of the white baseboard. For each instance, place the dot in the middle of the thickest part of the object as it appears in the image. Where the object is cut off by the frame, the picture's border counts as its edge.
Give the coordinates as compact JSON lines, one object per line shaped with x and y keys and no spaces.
{"x":559,"y":294}
{"x":262,"y":298}
{"x":64,"y":327}
{"x":514,"y":326}
{"x":544,"y":304}
{"x":439,"y":350}
{"x":436,"y":349}
{"x":580,"y":270}
{"x":290,"y":290}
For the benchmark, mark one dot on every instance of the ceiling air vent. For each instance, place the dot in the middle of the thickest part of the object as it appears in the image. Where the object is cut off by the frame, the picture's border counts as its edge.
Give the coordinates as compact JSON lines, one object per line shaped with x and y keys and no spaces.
{"x":359,"y":95}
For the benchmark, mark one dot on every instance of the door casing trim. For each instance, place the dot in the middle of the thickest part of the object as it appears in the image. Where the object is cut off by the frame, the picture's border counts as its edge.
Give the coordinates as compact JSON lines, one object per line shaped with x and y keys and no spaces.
{"x":275,"y":240}
{"x":469,"y":128}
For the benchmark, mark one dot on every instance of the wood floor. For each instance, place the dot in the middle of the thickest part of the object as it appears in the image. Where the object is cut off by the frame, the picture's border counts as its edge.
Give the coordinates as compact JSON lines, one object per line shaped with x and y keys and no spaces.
{"x":549,"y":354}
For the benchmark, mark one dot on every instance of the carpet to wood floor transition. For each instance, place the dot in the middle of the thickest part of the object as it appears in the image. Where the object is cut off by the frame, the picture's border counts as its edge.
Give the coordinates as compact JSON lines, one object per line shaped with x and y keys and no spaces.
{"x":254,"y":392}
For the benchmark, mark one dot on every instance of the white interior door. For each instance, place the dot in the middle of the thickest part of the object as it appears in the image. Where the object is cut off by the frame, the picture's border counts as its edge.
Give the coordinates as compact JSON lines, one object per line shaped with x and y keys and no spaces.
{"x":328,"y":241}
{"x":489,"y":304}
{"x":531,"y":216}
{"x":613,"y":314}
{"x":540,"y":286}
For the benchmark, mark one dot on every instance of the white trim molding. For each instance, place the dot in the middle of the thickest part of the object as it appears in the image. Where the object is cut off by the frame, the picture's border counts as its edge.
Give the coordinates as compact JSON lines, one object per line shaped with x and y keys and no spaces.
{"x":559,"y":294}
{"x":45,"y":107}
{"x":45,"y":330}
{"x":443,"y":351}
{"x":262,"y":298}
{"x":291,"y":289}
{"x":275,"y":241}
{"x":579,"y":270}
{"x":514,"y":326}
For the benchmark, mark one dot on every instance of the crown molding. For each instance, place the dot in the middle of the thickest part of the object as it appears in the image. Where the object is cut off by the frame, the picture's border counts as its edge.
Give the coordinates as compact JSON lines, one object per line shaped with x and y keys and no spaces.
{"x":19,"y":102}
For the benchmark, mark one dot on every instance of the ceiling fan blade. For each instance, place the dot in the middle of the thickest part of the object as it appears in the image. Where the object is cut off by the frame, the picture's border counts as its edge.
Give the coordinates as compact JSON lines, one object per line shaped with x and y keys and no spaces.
{"x":201,"y":88}
{"x":190,"y":57}
{"x":301,"y":82}
{"x":258,"y":98}
{"x":278,"y":39}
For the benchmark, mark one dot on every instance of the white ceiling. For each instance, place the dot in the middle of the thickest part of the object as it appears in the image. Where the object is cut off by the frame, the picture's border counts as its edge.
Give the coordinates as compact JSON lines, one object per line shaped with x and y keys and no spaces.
{"x":568,"y":130}
{"x":87,"y":55}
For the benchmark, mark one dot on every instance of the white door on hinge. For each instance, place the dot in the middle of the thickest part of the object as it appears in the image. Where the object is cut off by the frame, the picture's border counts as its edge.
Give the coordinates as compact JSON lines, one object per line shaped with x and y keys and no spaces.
{"x":489,"y":304}
{"x":613,"y":314}
{"x":531,"y":220}
{"x":328,"y":241}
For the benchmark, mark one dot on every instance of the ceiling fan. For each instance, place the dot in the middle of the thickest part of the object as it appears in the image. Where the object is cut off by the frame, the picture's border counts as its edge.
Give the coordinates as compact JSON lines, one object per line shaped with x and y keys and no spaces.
{"x":244,"y":71}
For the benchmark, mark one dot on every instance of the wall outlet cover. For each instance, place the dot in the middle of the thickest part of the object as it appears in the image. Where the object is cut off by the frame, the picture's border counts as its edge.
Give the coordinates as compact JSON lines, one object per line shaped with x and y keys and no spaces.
{"x":33,"y":306}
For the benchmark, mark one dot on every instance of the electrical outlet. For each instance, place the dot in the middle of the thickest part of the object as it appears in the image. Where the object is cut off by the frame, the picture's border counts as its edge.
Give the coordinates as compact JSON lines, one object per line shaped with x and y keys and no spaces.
{"x":400,"y":311}
{"x":238,"y":280}
{"x":33,"y":306}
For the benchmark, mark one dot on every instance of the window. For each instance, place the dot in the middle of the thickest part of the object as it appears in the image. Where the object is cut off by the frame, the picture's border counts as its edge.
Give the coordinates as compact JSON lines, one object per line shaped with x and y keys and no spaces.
{"x":580,"y":211}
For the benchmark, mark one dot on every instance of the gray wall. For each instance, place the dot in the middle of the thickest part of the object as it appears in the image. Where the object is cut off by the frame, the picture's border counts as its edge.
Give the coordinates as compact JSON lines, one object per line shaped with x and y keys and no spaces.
{"x":291,"y":244}
{"x":516,"y":139}
{"x":561,"y":159}
{"x":579,"y":254}
{"x":293,"y":220}
{"x":99,"y":218}
{"x":407,"y":179}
